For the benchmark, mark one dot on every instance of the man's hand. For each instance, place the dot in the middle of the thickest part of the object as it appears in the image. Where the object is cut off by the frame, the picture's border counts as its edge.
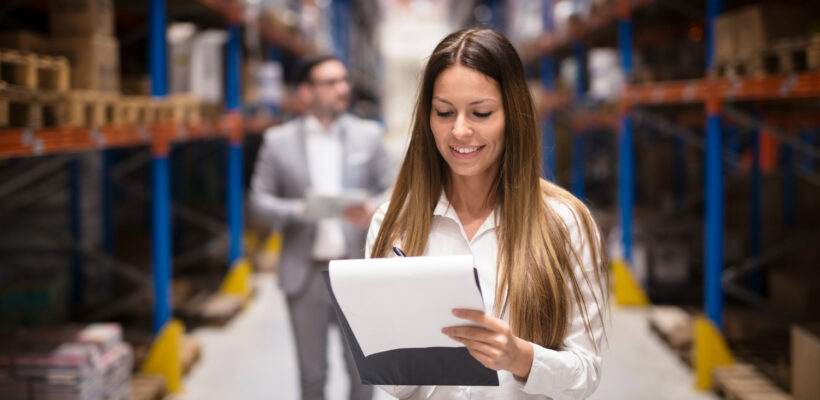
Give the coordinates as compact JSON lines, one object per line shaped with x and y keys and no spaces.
{"x":359,"y":215}
{"x":492,"y":343}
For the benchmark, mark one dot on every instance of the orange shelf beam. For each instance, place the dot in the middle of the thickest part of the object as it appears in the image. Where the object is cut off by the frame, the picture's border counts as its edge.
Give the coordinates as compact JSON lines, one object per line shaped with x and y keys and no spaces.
{"x":27,"y":143}
{"x":777,"y":87}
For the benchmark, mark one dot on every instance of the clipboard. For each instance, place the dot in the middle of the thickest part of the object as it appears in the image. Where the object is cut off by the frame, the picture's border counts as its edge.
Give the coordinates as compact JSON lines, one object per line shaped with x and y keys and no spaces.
{"x":440,"y":366}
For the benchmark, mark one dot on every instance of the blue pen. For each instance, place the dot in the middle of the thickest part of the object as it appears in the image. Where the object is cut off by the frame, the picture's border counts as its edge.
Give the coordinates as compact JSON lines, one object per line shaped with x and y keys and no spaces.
{"x":398,"y":251}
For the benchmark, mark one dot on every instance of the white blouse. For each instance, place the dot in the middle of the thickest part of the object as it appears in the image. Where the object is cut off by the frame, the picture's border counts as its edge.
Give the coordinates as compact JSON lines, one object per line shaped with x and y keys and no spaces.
{"x":570,"y":373}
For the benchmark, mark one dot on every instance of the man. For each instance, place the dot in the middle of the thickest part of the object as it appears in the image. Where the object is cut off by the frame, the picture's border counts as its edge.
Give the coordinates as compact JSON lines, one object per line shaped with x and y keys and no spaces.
{"x":325,"y":151}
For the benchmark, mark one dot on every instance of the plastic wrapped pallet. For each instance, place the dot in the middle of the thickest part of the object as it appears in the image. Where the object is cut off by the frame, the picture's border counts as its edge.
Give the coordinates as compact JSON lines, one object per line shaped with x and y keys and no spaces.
{"x":207,"y":75}
{"x":90,"y":363}
{"x":180,"y":46}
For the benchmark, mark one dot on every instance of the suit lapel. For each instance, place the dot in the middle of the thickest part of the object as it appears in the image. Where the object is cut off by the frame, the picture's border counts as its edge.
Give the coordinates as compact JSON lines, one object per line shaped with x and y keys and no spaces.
{"x":302,"y":156}
{"x":346,"y":150}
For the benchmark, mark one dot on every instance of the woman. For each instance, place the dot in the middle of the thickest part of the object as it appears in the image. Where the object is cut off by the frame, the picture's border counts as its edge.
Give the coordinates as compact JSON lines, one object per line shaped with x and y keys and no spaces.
{"x":470,"y":184}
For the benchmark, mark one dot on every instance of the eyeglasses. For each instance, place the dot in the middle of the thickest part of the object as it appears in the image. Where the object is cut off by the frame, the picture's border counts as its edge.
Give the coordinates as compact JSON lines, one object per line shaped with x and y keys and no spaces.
{"x":330,"y":82}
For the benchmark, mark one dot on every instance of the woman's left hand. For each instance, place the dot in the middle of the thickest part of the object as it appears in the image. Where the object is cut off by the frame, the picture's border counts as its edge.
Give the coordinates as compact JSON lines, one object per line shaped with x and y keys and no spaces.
{"x":492,"y":343}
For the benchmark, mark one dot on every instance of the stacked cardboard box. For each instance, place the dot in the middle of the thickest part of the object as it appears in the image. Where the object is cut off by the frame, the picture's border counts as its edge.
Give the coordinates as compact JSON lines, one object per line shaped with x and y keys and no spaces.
{"x":750,"y":30}
{"x":82,"y":31}
{"x":25,"y":41}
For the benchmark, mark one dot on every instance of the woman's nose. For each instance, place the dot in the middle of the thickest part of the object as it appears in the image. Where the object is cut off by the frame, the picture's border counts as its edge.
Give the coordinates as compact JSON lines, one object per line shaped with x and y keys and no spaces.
{"x":460,"y":128}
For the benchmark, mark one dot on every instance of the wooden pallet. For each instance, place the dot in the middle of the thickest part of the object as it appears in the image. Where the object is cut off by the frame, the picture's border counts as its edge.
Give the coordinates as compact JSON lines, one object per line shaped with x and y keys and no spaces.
{"x":674,"y":326}
{"x":791,"y":55}
{"x":148,"y":387}
{"x":788,"y":56}
{"x":34,"y":71}
{"x":138,"y":110}
{"x":745,"y":382}
{"x":91,"y":109}
{"x":212,"y":310}
{"x":190,"y":353}
{"x":181,"y":108}
{"x":26,"y":108}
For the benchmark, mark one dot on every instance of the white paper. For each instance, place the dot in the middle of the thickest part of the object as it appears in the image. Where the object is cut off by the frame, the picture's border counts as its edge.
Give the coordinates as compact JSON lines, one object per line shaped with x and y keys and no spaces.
{"x":404,"y":302}
{"x":322,"y":205}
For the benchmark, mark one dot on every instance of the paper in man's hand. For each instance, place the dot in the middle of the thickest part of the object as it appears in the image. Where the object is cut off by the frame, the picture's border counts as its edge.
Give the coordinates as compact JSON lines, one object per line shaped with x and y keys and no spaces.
{"x":320,"y":205}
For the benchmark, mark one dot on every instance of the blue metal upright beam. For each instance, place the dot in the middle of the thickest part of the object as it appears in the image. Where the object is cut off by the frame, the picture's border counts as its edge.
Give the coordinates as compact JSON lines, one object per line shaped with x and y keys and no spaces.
{"x":234,"y":175}
{"x":577,"y":185}
{"x":548,"y":85}
{"x":713,"y":8}
{"x":157,"y":53}
{"x":497,"y":15}
{"x":714,"y":219}
{"x":626,"y":173}
{"x":713,"y":296}
{"x":161,"y":239}
{"x":233,"y":59}
{"x":341,"y":29}
{"x":160,"y":190}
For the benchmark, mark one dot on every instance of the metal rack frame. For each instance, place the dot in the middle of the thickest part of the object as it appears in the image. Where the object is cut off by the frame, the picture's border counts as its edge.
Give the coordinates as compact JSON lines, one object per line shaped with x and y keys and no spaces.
{"x":716,"y":94}
{"x":160,"y":137}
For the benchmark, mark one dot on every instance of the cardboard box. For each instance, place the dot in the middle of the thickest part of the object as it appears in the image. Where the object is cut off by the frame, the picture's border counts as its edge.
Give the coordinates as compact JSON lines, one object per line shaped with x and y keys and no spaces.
{"x":757,"y":26}
{"x":794,"y":289}
{"x":745,"y":324}
{"x":805,"y":362}
{"x":94,"y":59}
{"x":139,"y":85}
{"x":81,"y":17}
{"x":726,"y":40}
{"x":25,"y":41}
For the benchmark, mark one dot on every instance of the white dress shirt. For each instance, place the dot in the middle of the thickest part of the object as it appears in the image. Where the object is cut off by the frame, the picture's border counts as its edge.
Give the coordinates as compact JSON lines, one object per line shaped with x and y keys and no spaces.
{"x":324,"y":157}
{"x":572,"y":372}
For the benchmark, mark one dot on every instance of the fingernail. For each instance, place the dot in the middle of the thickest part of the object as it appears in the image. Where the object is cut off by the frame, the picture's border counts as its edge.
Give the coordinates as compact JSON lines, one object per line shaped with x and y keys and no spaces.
{"x":445,"y":331}
{"x":457,"y":312}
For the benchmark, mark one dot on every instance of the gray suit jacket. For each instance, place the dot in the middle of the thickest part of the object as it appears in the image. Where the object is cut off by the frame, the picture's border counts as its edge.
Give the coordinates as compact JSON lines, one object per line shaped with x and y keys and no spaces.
{"x":281,"y":179}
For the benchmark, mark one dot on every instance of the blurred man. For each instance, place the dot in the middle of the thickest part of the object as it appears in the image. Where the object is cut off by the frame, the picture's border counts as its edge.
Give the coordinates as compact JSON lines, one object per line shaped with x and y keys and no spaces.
{"x":325,"y":151}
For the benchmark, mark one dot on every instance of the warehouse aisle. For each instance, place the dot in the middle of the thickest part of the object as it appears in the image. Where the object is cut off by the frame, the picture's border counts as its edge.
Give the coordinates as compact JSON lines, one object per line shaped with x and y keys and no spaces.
{"x":252,"y":358}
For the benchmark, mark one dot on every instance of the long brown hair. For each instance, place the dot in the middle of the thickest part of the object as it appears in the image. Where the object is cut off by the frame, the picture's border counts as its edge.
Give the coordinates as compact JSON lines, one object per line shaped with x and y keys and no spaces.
{"x":536,"y":256}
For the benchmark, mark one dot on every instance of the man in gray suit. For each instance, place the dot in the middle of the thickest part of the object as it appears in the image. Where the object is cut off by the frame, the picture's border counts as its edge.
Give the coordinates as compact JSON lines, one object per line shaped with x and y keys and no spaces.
{"x":326,"y":151}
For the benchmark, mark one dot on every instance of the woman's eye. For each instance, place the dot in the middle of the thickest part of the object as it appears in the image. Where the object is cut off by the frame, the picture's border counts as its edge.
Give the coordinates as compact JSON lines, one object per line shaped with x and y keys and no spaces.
{"x":444,"y":113}
{"x":482,"y":115}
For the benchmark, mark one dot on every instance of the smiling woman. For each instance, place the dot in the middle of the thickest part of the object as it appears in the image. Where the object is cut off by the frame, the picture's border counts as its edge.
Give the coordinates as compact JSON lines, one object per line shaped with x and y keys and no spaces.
{"x":470,"y":184}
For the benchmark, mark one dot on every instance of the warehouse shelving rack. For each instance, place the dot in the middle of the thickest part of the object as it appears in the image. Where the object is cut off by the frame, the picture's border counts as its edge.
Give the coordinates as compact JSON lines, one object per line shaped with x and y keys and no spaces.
{"x":159,"y":138}
{"x":717,"y":95}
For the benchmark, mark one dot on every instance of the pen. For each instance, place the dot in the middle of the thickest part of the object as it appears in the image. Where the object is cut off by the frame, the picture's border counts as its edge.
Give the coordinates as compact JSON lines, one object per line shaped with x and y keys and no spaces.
{"x":398,"y":251}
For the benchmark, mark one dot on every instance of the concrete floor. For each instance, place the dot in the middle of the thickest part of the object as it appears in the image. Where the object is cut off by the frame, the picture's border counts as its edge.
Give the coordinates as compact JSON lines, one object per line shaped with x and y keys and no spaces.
{"x":253,"y":358}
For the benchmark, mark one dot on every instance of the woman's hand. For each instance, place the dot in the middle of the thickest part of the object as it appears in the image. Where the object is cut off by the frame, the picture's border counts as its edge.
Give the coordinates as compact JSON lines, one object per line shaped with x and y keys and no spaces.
{"x":492,"y":343}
